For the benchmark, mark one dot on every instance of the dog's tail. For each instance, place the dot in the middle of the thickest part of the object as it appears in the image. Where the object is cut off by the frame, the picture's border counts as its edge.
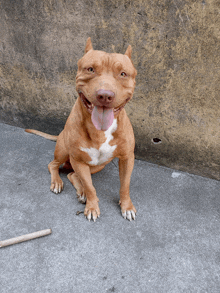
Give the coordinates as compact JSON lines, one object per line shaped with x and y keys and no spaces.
{"x":45,"y":135}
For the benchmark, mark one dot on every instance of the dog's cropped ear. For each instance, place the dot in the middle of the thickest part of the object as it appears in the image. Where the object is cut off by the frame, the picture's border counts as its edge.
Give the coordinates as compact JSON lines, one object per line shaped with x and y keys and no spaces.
{"x":128,"y":51}
{"x":88,"y":45}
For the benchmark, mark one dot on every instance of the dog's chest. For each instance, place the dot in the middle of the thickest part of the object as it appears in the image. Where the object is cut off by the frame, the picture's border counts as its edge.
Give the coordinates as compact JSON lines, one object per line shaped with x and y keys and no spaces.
{"x":105,"y":152}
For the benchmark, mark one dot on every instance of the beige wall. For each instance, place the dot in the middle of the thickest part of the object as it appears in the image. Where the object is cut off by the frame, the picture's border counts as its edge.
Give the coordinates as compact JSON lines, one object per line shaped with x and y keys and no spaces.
{"x":176,"y":50}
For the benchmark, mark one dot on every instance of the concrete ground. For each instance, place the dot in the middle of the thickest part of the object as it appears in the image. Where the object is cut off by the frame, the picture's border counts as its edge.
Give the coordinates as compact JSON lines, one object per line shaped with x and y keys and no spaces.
{"x":172,"y":246}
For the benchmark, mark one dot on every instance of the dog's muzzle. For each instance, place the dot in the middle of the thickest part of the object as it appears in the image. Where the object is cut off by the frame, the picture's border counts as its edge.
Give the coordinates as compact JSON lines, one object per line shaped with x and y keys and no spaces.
{"x":102,"y":114}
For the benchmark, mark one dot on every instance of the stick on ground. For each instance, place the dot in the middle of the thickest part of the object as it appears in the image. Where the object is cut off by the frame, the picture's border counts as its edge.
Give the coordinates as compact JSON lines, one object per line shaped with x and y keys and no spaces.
{"x":25,"y":237}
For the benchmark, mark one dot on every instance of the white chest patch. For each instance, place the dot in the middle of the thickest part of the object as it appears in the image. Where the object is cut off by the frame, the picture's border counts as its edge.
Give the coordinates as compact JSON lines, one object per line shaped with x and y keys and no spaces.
{"x":105,"y":152}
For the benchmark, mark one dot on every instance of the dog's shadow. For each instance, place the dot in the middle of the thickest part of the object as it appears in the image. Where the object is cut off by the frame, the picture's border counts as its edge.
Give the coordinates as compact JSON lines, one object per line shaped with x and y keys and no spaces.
{"x":66,"y":168}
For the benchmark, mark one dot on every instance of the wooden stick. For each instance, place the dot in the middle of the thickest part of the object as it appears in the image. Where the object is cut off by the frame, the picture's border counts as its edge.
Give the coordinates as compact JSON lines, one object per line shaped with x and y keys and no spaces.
{"x":25,"y":237}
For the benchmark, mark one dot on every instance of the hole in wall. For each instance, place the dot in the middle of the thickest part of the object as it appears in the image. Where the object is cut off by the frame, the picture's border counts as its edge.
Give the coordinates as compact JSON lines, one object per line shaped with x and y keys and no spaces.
{"x":156,"y":140}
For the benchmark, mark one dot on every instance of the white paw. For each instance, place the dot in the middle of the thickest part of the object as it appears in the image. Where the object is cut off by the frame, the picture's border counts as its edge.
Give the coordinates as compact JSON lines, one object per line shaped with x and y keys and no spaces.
{"x":92,"y":211}
{"x":93,"y":216}
{"x":128,"y":215}
{"x":56,"y":187}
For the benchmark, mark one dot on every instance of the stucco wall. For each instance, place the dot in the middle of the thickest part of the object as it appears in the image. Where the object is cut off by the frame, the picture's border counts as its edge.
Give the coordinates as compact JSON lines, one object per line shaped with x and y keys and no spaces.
{"x":176,"y":50}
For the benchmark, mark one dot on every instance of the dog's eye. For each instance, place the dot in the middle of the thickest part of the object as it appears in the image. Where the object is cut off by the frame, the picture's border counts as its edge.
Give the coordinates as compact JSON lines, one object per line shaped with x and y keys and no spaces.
{"x":123,"y":74}
{"x":90,"y":69}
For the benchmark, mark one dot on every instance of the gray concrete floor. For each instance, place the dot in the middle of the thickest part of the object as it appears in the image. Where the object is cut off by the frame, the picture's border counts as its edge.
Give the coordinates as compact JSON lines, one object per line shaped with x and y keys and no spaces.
{"x":172,"y":246}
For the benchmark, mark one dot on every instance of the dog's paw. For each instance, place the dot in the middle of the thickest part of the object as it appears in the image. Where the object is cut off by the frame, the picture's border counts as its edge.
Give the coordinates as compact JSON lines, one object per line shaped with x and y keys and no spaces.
{"x":92,"y":211}
{"x":57,"y":186}
{"x":128,"y":215}
{"x":128,"y":210}
{"x":81,"y":197}
{"x":74,"y":179}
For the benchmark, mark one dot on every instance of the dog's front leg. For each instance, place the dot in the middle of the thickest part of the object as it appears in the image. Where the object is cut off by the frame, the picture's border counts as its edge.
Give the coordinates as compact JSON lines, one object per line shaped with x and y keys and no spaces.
{"x":125,"y":169}
{"x":83,"y":172}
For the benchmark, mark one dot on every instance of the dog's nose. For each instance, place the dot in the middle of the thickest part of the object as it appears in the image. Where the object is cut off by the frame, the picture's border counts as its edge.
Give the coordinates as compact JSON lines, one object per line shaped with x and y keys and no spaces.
{"x":105,"y":96}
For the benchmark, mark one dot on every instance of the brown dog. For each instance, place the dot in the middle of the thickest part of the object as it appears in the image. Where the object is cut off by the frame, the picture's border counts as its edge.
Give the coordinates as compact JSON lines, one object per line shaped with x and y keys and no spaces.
{"x":98,"y":128}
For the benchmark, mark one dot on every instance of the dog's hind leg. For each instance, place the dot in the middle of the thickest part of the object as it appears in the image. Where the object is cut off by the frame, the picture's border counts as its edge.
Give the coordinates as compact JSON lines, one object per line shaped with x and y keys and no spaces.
{"x":74,"y":179}
{"x":60,"y":157}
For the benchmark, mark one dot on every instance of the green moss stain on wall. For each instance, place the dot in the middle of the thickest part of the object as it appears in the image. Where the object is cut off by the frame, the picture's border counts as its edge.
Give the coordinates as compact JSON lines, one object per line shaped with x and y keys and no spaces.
{"x":176,"y":50}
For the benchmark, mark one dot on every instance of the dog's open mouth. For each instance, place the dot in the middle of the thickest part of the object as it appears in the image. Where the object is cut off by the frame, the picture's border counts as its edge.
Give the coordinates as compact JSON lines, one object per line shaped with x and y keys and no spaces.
{"x":119,"y":108}
{"x":102,"y":117}
{"x":89,"y":106}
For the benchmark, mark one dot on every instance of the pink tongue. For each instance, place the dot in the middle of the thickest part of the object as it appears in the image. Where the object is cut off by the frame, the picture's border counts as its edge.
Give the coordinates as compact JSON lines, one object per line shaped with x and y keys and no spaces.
{"x":102,"y":117}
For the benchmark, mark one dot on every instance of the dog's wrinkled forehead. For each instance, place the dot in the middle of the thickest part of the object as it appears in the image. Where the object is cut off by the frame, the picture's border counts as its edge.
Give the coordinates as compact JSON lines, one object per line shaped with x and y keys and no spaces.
{"x":93,"y":58}
{"x":102,"y":61}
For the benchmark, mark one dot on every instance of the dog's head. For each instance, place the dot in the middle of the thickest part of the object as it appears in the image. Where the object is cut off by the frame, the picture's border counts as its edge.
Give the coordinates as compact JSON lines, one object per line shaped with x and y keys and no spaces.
{"x":105,"y":83}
